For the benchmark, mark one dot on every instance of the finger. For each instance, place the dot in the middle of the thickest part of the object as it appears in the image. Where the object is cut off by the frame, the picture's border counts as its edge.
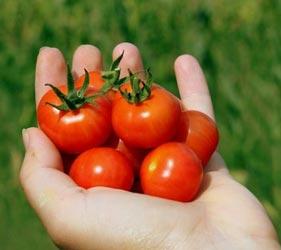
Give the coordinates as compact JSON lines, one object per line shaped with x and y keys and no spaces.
{"x":41,"y":175}
{"x":192,"y":85}
{"x":86,"y":57}
{"x":50,"y":68}
{"x":131,"y":60}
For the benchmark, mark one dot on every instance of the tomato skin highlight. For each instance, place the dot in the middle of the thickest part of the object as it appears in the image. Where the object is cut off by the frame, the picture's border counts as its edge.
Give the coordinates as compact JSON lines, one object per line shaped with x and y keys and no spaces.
{"x":102,"y":167}
{"x":75,"y":131}
{"x":202,"y":136}
{"x":147,"y":124}
{"x":171,"y":171}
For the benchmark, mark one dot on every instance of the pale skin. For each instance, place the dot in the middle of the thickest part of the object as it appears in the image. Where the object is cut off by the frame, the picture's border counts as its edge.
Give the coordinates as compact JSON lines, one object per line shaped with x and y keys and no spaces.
{"x":225,"y":215}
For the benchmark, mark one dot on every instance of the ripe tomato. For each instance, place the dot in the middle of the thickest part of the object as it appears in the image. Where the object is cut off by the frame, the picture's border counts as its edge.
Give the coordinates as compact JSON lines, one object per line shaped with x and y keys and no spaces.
{"x":201,"y":134}
{"x":149,"y":123}
{"x":102,"y":167}
{"x":75,"y":131}
{"x":171,"y":171}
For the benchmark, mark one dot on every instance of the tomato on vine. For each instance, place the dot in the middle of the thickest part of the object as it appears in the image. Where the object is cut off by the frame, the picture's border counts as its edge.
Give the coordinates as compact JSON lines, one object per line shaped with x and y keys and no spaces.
{"x":147,"y":116}
{"x":72,"y":121}
{"x":78,"y":118}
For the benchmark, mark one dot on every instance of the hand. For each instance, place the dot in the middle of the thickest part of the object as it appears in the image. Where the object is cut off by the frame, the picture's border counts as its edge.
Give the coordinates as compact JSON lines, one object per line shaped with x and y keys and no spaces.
{"x":225,"y":215}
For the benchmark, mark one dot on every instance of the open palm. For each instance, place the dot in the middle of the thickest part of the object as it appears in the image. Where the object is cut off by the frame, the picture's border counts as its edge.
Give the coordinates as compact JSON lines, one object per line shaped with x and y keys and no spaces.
{"x":225,"y":215}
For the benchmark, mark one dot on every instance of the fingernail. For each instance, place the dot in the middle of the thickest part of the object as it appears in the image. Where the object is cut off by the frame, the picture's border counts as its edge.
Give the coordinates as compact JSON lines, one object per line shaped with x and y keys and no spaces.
{"x":43,"y":48}
{"x":25,"y":138}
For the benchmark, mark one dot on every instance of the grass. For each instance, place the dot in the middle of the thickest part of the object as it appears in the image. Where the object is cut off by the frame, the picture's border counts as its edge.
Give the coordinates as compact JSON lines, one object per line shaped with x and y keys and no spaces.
{"x":236,"y":42}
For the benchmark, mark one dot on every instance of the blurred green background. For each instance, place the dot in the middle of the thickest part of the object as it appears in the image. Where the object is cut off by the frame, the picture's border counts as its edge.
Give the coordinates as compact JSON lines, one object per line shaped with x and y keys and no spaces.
{"x":237,"y":43}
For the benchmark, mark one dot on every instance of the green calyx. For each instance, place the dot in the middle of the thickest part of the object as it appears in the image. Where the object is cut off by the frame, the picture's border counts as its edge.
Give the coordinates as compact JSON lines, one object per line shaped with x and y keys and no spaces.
{"x":112,"y":76}
{"x":75,"y":99}
{"x":141,"y":90}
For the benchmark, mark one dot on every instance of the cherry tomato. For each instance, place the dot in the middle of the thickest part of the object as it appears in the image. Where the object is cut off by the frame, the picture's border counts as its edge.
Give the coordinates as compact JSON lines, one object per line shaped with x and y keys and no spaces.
{"x":75,"y":131}
{"x":149,"y":123}
{"x":102,"y":167}
{"x":171,"y":171}
{"x":201,"y":134}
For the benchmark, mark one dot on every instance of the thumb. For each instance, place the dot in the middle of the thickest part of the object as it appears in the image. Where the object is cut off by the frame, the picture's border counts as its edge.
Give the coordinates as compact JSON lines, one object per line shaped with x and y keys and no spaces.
{"x":39,"y":151}
{"x":41,"y":175}
{"x":45,"y":185}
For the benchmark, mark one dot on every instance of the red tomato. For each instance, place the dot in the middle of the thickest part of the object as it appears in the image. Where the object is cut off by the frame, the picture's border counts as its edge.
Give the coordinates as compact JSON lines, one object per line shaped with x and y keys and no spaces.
{"x":202,"y":135}
{"x":96,"y":81}
{"x":78,"y":130}
{"x":171,"y":171}
{"x":102,"y":167}
{"x":149,"y":123}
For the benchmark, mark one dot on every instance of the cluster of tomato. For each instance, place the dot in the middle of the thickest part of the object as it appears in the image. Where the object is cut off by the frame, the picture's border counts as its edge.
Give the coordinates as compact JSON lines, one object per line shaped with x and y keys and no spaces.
{"x":128,"y":133}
